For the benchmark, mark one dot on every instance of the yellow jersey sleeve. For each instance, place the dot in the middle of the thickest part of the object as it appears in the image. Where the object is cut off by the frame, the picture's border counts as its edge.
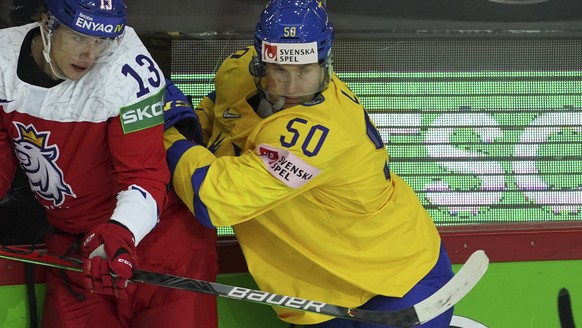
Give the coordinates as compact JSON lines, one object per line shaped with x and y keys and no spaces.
{"x":205,"y":112}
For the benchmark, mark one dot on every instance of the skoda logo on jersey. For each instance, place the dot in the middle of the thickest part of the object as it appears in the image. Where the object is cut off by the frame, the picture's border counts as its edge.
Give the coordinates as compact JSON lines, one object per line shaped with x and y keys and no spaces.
{"x":38,"y":161}
{"x":107,"y":27}
{"x":289,"y":53}
{"x":145,"y":114}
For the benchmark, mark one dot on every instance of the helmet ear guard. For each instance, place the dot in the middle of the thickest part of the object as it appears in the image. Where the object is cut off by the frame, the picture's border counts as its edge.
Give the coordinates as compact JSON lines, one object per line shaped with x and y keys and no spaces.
{"x":256,"y":67}
{"x":51,"y":22}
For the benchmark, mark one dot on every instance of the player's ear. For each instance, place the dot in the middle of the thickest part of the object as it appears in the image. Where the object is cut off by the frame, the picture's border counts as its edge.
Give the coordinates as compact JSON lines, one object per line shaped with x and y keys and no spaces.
{"x":44,"y":22}
{"x":48,"y":22}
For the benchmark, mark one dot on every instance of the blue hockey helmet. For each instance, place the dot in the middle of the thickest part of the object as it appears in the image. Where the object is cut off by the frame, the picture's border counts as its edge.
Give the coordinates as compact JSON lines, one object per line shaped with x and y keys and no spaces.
{"x":294,"y":22}
{"x":100,"y":18}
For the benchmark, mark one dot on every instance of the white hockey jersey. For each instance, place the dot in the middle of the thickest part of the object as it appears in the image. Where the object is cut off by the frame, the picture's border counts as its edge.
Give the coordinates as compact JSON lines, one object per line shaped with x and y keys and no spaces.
{"x":82,"y":143}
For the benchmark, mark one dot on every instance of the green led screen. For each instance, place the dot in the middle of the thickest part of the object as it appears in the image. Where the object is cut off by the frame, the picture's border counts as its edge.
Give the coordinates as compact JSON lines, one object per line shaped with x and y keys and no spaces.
{"x":485,"y":130}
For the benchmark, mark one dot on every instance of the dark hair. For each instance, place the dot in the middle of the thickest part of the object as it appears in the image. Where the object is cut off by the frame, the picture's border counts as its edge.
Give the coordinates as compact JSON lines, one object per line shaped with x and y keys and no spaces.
{"x":26,"y":11}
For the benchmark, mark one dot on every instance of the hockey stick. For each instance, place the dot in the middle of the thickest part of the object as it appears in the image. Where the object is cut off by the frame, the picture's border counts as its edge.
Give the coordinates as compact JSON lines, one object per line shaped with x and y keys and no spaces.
{"x":565,"y":309}
{"x":442,"y":300}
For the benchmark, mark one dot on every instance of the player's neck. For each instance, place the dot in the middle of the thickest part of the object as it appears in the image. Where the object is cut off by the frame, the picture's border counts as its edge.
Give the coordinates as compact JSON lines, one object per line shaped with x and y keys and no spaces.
{"x":36,"y":48}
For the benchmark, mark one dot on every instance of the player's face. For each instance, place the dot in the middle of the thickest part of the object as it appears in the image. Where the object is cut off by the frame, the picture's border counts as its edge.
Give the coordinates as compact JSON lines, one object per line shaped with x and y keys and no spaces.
{"x":295,"y":83}
{"x":75,"y":53}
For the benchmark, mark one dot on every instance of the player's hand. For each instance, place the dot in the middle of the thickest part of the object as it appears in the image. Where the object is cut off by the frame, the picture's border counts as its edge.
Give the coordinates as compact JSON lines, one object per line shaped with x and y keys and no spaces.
{"x":178,"y":113}
{"x":111,"y":259}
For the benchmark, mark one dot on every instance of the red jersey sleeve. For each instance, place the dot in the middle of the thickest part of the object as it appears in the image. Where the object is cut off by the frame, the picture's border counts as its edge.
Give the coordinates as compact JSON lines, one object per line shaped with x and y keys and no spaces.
{"x":7,"y":159}
{"x":139,"y":158}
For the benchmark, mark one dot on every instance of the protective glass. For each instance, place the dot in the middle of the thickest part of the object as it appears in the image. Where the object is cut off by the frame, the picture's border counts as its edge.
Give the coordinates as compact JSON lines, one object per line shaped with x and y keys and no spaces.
{"x":82,"y":47}
{"x":293,"y":81}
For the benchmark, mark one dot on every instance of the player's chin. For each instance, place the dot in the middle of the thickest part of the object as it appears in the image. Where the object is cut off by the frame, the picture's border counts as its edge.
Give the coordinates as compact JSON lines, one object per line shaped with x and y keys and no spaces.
{"x":76,"y":73}
{"x":290,"y":102}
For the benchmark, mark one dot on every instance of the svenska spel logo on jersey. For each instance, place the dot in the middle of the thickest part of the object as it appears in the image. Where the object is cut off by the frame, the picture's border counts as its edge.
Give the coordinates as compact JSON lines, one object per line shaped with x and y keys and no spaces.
{"x":289,"y":53}
{"x":271,"y":156}
{"x":286,"y":166}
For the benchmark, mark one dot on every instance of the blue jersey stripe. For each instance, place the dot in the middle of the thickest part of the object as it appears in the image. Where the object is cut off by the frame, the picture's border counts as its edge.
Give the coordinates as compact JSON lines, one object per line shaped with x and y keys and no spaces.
{"x":200,"y":209}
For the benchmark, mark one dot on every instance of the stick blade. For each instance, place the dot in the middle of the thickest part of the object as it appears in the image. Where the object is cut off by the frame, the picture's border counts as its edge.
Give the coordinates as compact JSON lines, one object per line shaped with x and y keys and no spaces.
{"x":565,"y":309}
{"x":40,"y":258}
{"x":454,"y":290}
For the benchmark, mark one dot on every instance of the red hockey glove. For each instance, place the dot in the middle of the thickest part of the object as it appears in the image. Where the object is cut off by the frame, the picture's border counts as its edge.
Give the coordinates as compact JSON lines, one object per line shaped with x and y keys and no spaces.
{"x":111,"y":258}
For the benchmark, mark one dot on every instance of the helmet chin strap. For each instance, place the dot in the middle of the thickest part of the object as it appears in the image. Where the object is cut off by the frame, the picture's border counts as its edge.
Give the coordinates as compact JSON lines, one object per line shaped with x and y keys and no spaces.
{"x":277,"y":105}
{"x":266,"y":108}
{"x":46,"y":49}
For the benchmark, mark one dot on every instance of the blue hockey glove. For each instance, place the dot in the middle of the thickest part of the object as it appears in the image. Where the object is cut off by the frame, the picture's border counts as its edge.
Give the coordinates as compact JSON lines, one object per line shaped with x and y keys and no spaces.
{"x":178,"y":112}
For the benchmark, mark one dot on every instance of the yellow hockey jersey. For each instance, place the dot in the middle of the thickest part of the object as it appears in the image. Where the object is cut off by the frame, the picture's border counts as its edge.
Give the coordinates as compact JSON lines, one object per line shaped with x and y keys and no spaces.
{"x":308,"y":193}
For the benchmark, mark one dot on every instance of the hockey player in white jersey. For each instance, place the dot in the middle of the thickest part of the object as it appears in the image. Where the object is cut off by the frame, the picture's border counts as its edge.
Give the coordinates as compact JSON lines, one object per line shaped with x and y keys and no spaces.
{"x":81,"y":112}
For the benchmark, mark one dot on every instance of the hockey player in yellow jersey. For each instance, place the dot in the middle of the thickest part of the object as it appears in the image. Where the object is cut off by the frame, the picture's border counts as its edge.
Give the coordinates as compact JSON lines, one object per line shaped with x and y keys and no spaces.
{"x":293,"y":163}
